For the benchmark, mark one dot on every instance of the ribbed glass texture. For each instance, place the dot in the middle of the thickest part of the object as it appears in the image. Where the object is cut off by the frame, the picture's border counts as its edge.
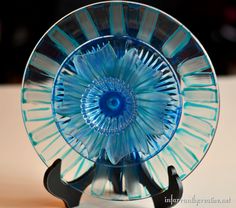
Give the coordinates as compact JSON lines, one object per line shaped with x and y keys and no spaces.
{"x":120,"y":84}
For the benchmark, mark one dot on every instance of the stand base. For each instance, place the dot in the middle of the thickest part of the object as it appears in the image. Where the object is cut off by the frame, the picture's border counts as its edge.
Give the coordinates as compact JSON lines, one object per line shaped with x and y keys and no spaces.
{"x":71,"y":196}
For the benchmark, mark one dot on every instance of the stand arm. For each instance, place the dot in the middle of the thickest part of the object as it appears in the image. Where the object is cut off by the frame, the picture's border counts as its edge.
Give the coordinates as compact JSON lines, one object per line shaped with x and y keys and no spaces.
{"x":173,"y":194}
{"x":54,"y":185}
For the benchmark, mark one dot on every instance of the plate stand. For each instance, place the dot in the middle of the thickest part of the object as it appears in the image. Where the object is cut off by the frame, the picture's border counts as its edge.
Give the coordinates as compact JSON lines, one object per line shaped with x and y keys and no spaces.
{"x":71,"y":195}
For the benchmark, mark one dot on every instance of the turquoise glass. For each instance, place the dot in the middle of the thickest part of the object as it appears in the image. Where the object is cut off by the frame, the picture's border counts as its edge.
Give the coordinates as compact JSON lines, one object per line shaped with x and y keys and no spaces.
{"x":120,"y":84}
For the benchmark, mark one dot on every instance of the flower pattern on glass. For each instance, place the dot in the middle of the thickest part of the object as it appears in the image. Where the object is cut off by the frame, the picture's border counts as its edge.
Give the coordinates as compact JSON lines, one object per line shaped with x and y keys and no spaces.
{"x":114,"y":109}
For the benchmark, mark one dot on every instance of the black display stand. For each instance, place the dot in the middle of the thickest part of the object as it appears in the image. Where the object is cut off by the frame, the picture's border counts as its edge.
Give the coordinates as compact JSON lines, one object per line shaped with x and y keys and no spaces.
{"x":71,"y":196}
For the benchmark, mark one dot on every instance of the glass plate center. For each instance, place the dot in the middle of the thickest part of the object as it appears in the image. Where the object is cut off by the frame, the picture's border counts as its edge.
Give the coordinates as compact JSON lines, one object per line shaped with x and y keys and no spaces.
{"x":117,"y":101}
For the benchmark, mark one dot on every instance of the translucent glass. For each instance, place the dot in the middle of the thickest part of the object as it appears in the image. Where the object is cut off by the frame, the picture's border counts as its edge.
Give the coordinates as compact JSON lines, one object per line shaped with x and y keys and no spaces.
{"x":119,"y":84}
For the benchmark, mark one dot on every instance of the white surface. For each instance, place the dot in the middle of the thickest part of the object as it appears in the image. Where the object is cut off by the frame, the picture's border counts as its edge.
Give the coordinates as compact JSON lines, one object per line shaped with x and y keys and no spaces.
{"x":21,"y":171}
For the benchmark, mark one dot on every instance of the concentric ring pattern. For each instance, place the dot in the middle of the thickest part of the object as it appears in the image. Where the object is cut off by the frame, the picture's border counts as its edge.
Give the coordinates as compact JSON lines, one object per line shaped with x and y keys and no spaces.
{"x":120,"y":84}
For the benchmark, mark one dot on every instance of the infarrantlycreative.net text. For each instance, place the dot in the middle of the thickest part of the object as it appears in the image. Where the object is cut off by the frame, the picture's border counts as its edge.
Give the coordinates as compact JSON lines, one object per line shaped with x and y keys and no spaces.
{"x":199,"y":201}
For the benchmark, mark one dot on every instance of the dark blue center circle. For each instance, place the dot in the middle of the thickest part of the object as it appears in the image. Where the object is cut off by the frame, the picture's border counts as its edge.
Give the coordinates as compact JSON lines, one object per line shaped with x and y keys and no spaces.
{"x":112,"y":104}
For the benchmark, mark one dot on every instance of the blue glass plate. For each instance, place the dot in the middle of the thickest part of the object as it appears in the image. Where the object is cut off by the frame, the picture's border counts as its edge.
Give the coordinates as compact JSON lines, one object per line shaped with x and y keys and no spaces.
{"x":120,"y":84}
